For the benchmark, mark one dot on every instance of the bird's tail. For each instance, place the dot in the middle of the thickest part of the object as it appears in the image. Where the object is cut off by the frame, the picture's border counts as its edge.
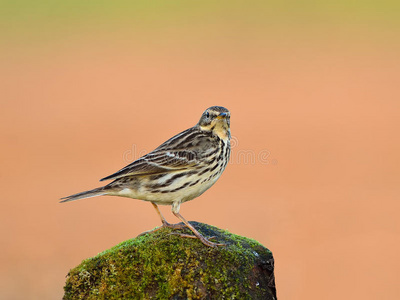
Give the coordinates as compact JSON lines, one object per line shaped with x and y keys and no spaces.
{"x":87,"y":194}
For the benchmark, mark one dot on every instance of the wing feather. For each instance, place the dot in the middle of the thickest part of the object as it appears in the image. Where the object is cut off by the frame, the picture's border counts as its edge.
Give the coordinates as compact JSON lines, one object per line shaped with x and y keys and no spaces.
{"x":166,"y":158}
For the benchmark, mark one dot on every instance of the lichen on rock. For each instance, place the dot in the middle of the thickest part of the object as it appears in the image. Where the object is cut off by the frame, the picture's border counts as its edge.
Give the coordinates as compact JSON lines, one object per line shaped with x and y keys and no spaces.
{"x":163,"y":265}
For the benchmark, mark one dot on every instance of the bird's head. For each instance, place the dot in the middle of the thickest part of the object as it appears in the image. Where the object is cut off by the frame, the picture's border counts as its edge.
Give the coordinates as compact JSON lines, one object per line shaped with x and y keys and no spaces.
{"x":216,"y":119}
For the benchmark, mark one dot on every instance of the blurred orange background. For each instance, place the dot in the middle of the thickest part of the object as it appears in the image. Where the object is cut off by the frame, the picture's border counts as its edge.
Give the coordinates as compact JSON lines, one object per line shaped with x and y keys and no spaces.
{"x":313,"y":90}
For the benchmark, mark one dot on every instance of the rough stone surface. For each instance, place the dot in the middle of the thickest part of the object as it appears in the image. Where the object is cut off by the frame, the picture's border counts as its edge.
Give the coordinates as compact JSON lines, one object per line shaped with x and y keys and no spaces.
{"x":163,"y":265}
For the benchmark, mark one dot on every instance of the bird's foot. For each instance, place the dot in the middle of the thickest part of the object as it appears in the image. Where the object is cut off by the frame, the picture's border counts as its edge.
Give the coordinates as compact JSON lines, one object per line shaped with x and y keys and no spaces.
{"x":201,"y":238}
{"x":174,"y":226}
{"x":164,"y":224}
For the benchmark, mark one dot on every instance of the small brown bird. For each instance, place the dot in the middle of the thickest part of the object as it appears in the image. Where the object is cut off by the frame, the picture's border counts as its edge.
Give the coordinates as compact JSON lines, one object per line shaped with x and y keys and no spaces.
{"x":179,"y":170}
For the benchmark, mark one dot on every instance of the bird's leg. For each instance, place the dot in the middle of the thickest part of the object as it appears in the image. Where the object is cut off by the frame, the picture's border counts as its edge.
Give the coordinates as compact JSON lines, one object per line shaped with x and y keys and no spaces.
{"x":164,"y":222}
{"x":175,"y":211}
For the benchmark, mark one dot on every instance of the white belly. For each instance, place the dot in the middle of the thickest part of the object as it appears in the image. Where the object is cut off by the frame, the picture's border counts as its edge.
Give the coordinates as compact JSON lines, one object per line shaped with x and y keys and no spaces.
{"x":168,"y":196}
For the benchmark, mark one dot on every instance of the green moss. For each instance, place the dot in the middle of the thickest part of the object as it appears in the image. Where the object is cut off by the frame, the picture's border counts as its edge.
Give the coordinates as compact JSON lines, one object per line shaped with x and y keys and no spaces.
{"x":163,"y":265}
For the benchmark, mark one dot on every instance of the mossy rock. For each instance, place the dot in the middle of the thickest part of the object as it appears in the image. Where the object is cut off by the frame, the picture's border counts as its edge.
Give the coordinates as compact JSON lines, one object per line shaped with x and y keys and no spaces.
{"x":163,"y":265}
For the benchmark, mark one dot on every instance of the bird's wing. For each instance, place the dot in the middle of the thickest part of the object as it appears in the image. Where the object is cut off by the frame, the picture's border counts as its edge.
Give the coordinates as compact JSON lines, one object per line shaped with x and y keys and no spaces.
{"x":157,"y":162}
{"x":176,"y":154}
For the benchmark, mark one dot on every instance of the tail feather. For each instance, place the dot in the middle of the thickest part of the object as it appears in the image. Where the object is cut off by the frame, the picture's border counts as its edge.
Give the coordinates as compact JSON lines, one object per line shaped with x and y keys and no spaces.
{"x":87,"y":194}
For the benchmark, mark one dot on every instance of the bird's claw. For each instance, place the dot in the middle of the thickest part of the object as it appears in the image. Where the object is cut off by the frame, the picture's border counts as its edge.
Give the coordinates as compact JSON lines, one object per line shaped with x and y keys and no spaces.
{"x":203,"y":240}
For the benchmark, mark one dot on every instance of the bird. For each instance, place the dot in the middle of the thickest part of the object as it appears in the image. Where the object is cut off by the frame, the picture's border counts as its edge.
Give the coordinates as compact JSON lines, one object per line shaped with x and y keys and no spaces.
{"x":179,"y":170}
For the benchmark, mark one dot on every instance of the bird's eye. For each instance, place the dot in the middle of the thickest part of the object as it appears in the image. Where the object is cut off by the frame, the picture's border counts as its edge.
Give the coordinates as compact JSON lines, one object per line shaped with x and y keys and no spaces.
{"x":207,"y":114}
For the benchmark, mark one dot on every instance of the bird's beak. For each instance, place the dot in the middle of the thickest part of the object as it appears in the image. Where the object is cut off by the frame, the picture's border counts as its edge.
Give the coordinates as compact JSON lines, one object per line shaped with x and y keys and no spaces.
{"x":221,"y":116}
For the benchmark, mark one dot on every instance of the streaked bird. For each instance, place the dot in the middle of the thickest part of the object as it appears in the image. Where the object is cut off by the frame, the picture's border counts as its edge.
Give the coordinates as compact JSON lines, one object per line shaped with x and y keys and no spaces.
{"x":179,"y":170}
